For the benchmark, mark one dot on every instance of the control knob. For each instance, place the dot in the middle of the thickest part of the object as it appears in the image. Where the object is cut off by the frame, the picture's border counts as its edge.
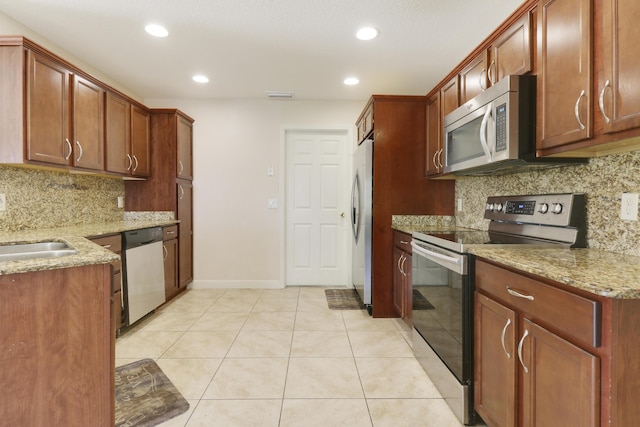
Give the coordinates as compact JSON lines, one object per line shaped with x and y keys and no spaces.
{"x":497,"y":207}
{"x":544,"y":208}
{"x":489,"y":206}
{"x":556,"y":208}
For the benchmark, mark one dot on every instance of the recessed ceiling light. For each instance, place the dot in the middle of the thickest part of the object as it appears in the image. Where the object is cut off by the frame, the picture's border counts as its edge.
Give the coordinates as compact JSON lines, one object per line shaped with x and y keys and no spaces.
{"x":367,"y":33}
{"x":200,"y":78}
{"x":350,"y":81}
{"x":156,"y":30}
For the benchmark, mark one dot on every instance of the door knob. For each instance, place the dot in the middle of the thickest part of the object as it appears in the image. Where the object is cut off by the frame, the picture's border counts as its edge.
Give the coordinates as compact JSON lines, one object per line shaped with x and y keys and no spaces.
{"x":342,"y":215}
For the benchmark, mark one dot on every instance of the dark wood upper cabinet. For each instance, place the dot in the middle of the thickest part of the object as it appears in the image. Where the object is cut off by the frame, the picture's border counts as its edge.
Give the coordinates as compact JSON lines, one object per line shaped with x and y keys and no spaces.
{"x":88,"y":124}
{"x":512,"y":51}
{"x":433,"y":142}
{"x":473,"y":77}
{"x":140,"y":145}
{"x":449,"y":96}
{"x":565,"y":72}
{"x":619,"y":79}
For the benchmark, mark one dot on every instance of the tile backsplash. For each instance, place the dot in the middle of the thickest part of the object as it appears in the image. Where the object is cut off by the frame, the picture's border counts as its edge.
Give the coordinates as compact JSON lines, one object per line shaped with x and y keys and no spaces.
{"x":42,"y":198}
{"x":603,"y":180}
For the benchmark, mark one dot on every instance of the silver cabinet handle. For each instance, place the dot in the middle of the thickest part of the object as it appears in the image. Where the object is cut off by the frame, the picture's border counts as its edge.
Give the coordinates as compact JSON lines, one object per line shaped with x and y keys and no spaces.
{"x":601,"y":101}
{"x":576,"y":110}
{"x":491,"y":79}
{"x":166,"y":253}
{"x":399,"y":261}
{"x":130,"y":162}
{"x":136,"y":166}
{"x":404,"y":260}
{"x":484,"y":71}
{"x":435,"y":163}
{"x":520,"y":295}
{"x":171,"y":232}
{"x":106,"y":246}
{"x":440,"y":164}
{"x":79,"y":148}
{"x":70,"y":149}
{"x":526,"y":332}
{"x":181,"y":192}
{"x":504,"y":331}
{"x":181,"y":167}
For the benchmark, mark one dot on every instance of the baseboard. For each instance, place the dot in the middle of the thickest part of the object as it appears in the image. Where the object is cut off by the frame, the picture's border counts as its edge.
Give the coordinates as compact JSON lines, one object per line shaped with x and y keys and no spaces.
{"x":236,"y":284}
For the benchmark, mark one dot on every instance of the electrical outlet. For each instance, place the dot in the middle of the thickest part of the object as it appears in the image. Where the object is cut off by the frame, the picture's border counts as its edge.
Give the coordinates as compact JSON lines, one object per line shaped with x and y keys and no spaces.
{"x":629,"y":207}
{"x":460,"y":204}
{"x":120,"y":202}
{"x":3,"y":203}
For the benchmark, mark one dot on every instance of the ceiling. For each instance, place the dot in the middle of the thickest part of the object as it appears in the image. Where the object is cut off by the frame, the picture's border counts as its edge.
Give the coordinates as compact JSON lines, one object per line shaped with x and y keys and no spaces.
{"x":247,"y":47}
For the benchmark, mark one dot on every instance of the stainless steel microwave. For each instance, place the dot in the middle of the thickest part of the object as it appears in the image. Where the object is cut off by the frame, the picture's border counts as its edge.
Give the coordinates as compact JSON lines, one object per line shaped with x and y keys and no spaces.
{"x":495,"y":132}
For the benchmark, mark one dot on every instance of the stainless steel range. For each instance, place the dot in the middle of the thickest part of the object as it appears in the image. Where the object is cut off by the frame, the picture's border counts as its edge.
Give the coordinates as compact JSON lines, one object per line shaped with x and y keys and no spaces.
{"x":443,"y":271}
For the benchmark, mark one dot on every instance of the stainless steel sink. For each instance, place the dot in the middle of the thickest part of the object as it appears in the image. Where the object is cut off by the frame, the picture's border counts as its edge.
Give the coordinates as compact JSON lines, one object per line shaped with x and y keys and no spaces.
{"x":25,"y":251}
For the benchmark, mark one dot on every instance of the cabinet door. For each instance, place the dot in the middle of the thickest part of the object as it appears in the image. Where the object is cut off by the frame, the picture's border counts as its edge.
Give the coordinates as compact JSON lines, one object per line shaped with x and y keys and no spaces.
{"x":561,"y":382}
{"x":473,"y":78}
{"x":398,"y":282}
{"x":185,"y":239}
{"x":48,"y":111}
{"x":88,"y":124}
{"x":185,"y":147}
{"x":495,"y":362}
{"x":408,"y":290}
{"x":433,"y":162}
{"x":450,"y":96}
{"x":170,"y":268}
{"x":118,"y":135}
{"x":511,"y":52}
{"x":565,"y":107}
{"x":140,"y":147}
{"x":619,"y":85}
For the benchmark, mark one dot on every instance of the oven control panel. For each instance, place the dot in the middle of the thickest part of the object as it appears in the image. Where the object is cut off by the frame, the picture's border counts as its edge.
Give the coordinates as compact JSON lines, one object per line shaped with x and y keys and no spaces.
{"x":549,"y":209}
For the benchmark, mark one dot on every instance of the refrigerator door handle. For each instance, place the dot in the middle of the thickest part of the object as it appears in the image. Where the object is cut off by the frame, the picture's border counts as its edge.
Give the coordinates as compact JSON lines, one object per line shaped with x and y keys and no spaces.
{"x":355,"y":215}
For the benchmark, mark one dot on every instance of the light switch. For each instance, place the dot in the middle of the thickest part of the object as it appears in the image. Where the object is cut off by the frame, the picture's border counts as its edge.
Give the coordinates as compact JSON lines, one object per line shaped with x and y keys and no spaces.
{"x":270,"y":171}
{"x":272,"y":203}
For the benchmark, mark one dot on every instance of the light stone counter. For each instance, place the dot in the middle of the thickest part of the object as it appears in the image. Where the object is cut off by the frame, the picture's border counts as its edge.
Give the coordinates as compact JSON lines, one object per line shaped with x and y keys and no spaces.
{"x":609,"y":274}
{"x":75,"y":236}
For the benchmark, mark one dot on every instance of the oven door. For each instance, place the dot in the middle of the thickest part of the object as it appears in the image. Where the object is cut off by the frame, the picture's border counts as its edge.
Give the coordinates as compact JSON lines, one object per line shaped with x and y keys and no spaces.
{"x":443,"y":306}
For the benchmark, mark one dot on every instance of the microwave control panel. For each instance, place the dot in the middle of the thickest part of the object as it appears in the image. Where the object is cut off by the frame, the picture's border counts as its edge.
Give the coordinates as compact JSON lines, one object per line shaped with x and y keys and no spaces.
{"x":501,"y":127}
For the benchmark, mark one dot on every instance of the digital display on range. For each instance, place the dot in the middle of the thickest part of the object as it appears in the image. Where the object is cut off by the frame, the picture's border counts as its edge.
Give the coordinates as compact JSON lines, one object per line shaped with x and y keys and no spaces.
{"x":521,"y":208}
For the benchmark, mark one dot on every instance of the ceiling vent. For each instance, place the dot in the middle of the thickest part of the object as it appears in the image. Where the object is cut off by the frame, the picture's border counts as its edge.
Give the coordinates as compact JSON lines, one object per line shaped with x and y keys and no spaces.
{"x":279,"y":95}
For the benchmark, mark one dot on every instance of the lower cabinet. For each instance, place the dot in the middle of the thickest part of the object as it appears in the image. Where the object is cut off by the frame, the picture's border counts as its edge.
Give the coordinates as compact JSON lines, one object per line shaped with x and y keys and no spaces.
{"x":402,"y":288}
{"x":57,"y":349}
{"x":113,"y":242}
{"x":170,"y":249}
{"x":532,"y":377}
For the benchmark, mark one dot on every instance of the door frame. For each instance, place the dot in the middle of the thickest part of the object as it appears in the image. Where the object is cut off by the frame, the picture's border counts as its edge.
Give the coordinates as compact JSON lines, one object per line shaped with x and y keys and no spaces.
{"x":349,"y":132}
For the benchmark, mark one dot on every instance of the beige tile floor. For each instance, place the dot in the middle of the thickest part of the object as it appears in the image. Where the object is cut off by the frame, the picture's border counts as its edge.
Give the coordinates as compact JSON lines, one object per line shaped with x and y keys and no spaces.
{"x":282,"y":358}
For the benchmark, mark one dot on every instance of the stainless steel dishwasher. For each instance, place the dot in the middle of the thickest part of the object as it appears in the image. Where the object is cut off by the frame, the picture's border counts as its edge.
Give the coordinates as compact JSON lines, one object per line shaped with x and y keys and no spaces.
{"x":144,"y":273}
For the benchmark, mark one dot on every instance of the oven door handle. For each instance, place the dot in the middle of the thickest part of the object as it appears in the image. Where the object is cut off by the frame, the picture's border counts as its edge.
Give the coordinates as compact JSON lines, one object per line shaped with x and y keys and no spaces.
{"x":427,"y":253}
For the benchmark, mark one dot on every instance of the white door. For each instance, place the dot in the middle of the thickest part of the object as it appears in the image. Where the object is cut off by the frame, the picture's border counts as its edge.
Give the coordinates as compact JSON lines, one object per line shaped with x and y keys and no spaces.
{"x":316,"y":203}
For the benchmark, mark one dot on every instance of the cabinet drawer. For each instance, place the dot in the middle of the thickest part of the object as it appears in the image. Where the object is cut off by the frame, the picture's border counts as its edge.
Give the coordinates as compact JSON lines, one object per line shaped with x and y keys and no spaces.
{"x":402,"y":240}
{"x":566,"y":313}
{"x":112,"y":242}
{"x":170,"y":232}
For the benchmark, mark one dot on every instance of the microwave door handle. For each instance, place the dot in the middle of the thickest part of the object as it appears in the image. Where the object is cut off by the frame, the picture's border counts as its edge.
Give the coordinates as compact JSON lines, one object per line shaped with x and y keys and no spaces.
{"x":483,"y":131}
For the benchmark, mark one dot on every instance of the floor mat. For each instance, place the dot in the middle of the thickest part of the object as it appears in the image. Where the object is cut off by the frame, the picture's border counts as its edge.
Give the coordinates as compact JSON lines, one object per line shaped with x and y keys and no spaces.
{"x":420,"y":302}
{"x":343,"y":299}
{"x":145,"y":396}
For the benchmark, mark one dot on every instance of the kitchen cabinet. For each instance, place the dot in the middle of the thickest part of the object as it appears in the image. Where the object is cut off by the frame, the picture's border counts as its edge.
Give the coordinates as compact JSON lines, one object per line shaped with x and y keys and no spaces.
{"x":51,"y":116}
{"x":550,"y":354}
{"x":565,"y":72}
{"x":113,"y":242}
{"x":128,"y":133}
{"x":365,"y":124}
{"x":170,"y":255}
{"x":433,"y":139}
{"x":400,"y":186}
{"x":618,"y":55}
{"x":449,"y":97}
{"x":185,"y":229}
{"x":510,"y":53}
{"x":402,"y":288}
{"x":58,"y":348}
{"x":169,"y":188}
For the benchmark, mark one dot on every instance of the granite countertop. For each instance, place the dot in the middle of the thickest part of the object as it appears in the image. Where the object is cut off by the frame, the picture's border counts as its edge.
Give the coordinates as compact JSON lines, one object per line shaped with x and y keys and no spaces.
{"x":76,"y":237}
{"x":609,"y":274}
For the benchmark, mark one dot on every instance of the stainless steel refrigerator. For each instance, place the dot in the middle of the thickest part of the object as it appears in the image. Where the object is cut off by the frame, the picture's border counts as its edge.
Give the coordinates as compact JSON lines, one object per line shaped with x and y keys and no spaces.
{"x":362,"y":220}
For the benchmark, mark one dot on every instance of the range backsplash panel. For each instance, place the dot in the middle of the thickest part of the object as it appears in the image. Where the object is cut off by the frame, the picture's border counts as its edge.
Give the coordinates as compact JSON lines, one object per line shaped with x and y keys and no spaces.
{"x":603,"y":180}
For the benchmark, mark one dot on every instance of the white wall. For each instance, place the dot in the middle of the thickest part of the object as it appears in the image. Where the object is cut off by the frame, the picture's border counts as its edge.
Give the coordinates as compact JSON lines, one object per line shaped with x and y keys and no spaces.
{"x":237,"y":239}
